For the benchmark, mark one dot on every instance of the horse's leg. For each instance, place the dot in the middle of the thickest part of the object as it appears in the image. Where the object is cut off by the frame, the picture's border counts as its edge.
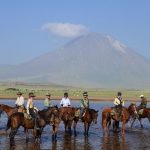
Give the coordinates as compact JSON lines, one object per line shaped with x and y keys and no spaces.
{"x":65,"y":124}
{"x":27,"y":135}
{"x":133,"y":122}
{"x":54,"y":133}
{"x":74,"y":127}
{"x":85,"y":128}
{"x":140,"y":122}
{"x":105,"y":126}
{"x":88,"y":126}
{"x":12,"y":135}
{"x":69,"y":127}
{"x":123,"y":127}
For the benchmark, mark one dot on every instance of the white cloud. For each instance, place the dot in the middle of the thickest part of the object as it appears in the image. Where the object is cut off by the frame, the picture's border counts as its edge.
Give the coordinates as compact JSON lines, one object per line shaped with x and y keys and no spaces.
{"x":65,"y":29}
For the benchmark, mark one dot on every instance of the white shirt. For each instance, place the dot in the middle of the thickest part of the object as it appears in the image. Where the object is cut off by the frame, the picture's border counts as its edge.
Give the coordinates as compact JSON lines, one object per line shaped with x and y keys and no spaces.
{"x":20,"y":101}
{"x":65,"y":102}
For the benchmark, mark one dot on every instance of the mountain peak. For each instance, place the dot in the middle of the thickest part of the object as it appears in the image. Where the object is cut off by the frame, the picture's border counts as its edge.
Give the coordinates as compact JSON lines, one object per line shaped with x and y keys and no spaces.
{"x":92,"y":60}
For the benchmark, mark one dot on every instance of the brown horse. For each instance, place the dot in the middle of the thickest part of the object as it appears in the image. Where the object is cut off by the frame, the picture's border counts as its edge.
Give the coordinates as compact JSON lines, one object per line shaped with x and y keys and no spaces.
{"x":49,"y":116}
{"x":8,"y":109}
{"x":89,"y":116}
{"x":125,"y":115}
{"x":145,"y":114}
{"x":68,"y":116}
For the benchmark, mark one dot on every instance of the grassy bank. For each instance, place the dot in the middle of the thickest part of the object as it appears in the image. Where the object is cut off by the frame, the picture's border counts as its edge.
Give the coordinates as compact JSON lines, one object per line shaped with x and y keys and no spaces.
{"x":9,"y":91}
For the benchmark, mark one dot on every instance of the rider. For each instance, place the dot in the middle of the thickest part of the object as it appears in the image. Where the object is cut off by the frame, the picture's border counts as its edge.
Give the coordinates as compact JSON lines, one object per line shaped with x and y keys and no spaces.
{"x":84,"y":103}
{"x":20,"y":102}
{"x":31,"y":109}
{"x":143,"y":102}
{"x":47,"y":101}
{"x":119,"y":102}
{"x":65,"y":101}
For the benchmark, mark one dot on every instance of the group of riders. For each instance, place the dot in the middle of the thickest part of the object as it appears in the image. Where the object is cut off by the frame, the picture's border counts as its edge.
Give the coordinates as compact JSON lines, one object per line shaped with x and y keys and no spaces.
{"x":31,"y":109}
{"x":65,"y":102}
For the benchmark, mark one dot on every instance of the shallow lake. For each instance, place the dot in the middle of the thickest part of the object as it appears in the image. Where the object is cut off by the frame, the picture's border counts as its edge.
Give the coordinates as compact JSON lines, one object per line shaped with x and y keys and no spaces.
{"x":135,"y":138}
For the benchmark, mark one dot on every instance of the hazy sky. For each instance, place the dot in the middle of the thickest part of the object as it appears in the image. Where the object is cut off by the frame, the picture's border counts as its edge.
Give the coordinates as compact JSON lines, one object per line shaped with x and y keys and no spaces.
{"x":31,"y":28}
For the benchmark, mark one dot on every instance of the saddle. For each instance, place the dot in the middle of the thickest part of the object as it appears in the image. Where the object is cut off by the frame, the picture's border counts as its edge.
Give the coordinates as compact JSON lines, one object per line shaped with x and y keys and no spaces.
{"x":27,"y":116}
{"x":116,"y":112}
{"x":141,"y":111}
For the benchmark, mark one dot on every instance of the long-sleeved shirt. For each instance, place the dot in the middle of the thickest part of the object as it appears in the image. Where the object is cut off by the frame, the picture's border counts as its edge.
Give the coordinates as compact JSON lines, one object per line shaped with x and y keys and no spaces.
{"x":47,"y":103}
{"x":65,"y":102}
{"x":84,"y":103}
{"x":20,"y":101}
{"x":119,"y":101}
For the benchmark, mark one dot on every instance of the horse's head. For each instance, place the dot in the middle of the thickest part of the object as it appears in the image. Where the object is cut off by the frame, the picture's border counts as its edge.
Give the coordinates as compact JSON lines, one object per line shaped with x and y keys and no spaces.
{"x":94,"y":115}
{"x":133,"y":110}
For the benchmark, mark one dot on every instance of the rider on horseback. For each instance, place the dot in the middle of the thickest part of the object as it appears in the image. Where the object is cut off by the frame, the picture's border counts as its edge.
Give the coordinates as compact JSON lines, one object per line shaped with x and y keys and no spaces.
{"x":119,"y":102}
{"x":84,"y":103}
{"x":32,"y":110}
{"x":20,"y":102}
{"x":143,"y":104}
{"x":65,"y":101}
{"x":47,"y":101}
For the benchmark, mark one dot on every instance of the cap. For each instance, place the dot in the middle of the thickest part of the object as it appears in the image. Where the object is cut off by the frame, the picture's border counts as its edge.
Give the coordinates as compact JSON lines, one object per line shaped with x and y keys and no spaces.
{"x":141,"y":96}
{"x":85,"y":93}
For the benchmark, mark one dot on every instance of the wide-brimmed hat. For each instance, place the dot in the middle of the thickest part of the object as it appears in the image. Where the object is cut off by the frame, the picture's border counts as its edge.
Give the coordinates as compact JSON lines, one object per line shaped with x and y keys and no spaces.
{"x":19,"y":93}
{"x":85,"y":93}
{"x":48,"y":94}
{"x":141,"y":96}
{"x":31,"y":94}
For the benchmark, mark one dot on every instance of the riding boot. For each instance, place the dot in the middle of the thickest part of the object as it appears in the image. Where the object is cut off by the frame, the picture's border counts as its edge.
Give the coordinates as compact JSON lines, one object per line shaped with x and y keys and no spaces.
{"x":81,"y":113}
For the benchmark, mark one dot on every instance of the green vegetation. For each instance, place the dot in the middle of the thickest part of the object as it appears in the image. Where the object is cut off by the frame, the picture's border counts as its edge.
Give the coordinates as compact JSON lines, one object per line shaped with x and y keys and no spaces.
{"x":10,"y":91}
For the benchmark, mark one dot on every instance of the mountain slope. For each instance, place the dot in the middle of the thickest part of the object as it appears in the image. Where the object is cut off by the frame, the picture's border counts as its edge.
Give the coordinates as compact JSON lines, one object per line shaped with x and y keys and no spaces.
{"x":93,"y":60}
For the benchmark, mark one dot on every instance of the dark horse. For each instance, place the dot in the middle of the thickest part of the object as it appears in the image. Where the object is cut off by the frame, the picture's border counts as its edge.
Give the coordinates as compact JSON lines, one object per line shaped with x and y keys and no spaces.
{"x":49,"y":116}
{"x":70,"y":117}
{"x":89,"y":116}
{"x":145,"y":114}
{"x":125,"y":116}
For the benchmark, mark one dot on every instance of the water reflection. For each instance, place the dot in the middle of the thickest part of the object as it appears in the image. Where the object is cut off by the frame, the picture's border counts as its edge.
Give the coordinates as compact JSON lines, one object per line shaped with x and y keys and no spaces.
{"x":113,"y":142}
{"x":135,"y":138}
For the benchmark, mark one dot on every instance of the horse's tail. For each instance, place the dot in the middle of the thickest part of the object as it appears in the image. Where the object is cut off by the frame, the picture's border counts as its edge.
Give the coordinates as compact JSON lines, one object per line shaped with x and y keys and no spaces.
{"x":8,"y":123}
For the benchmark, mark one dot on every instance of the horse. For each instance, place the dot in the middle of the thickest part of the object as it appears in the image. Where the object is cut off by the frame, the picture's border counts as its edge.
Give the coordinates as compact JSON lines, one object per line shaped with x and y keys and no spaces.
{"x":145,"y":114}
{"x":8,"y":109}
{"x":69,"y":116}
{"x":125,"y":116}
{"x":89,"y":116}
{"x":49,"y":116}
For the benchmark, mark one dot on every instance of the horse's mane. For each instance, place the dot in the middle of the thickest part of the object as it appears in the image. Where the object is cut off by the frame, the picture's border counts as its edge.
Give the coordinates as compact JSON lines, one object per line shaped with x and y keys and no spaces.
{"x":3,"y":105}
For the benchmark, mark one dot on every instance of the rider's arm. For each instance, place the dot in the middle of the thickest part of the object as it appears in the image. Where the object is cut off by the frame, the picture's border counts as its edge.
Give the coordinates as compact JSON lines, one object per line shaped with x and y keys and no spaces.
{"x":116,"y":101}
{"x":61,"y":103}
{"x":69,"y":104}
{"x":28,"y":103}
